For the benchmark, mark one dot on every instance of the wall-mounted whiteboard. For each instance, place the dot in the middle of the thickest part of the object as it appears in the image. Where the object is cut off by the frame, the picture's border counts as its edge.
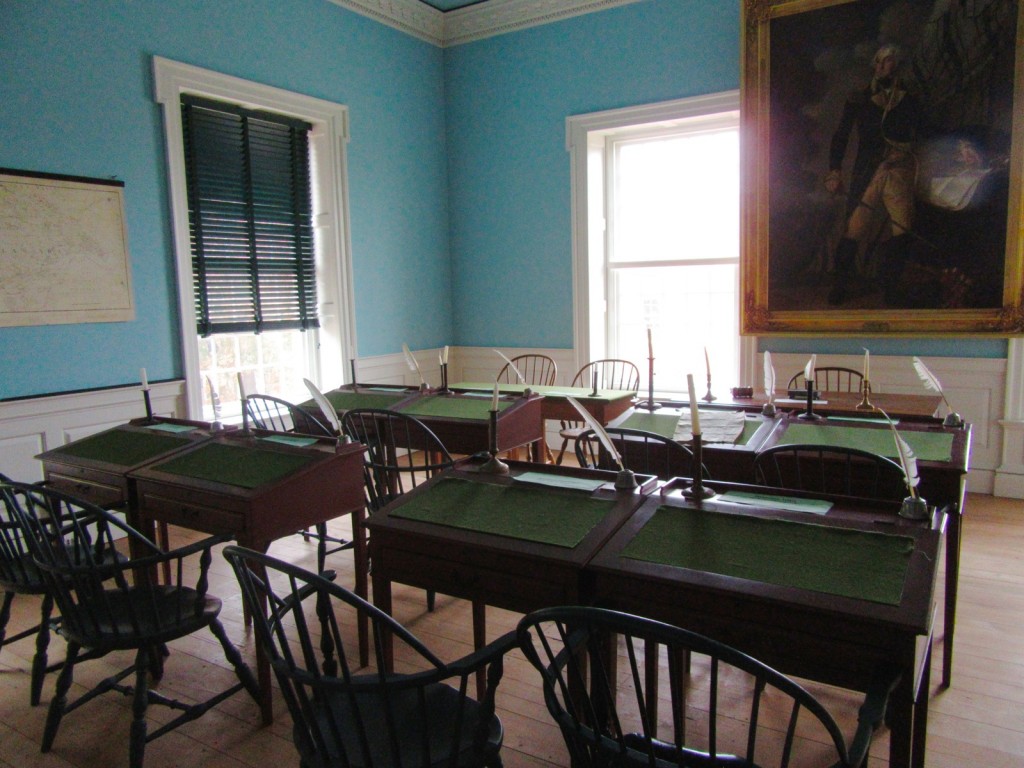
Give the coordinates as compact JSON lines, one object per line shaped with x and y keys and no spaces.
{"x":63,"y":250}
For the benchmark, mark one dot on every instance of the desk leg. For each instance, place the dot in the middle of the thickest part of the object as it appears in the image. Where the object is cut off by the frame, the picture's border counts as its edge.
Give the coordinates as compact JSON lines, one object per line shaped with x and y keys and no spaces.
{"x":952,"y":583}
{"x":479,"y":640}
{"x":382,"y":600}
{"x":362,"y":566}
{"x":920,"y":736}
{"x":901,"y":723}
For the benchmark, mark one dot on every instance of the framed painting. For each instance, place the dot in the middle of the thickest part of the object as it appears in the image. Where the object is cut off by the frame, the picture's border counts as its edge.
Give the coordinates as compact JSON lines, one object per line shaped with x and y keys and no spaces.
{"x":882,"y":166}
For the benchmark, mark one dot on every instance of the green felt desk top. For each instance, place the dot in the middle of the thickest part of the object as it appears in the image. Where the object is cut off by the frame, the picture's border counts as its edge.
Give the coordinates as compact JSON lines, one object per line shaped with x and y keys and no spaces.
{"x":554,"y":390}
{"x":239,"y":465}
{"x":664,"y":424}
{"x":524,"y":512}
{"x":443,"y":406}
{"x":346,"y":400}
{"x":124,"y":447}
{"x":927,"y":446}
{"x":837,"y":561}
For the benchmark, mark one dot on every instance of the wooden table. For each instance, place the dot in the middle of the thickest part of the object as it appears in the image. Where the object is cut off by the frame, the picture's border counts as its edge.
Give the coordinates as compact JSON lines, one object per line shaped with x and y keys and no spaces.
{"x":482,"y":554}
{"x":776,"y":616}
{"x":255,"y":489}
{"x":943,"y":460}
{"x":461,"y":420}
{"x":604,"y":406}
{"x":916,"y":407}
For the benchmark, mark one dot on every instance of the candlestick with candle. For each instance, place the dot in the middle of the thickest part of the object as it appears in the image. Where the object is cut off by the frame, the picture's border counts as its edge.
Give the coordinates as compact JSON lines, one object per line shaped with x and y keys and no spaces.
{"x":651,"y":405}
{"x":708,"y":397}
{"x":865,"y":403}
{"x":145,"y":394}
{"x":696,"y":491}
{"x":494,"y":465}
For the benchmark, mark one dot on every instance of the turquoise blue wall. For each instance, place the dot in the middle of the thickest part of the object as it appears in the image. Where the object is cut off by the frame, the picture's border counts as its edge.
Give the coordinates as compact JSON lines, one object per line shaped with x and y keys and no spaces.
{"x":458,"y":170}
{"x":507,"y":100}
{"x":77,"y":98}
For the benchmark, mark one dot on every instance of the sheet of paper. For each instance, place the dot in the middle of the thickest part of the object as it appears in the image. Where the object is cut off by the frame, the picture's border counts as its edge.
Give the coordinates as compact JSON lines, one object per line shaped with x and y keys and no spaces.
{"x":301,"y":442}
{"x":717,"y":426}
{"x":770,"y":501}
{"x":559,"y":481}
{"x":170,"y":427}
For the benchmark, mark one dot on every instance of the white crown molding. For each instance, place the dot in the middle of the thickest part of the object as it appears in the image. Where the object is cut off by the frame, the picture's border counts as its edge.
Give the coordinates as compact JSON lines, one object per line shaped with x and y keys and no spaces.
{"x":475,"y":22}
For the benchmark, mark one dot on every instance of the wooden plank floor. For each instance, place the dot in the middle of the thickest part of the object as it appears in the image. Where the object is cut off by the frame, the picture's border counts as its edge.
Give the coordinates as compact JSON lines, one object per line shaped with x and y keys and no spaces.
{"x":978,"y":721}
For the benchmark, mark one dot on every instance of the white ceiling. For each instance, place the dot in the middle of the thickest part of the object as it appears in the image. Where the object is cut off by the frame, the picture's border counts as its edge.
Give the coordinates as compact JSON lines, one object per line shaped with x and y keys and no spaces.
{"x":451,"y":22}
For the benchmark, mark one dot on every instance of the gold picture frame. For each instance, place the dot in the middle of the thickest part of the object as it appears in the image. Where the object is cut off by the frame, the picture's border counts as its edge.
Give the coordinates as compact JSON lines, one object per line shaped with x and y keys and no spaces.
{"x":923,"y":234}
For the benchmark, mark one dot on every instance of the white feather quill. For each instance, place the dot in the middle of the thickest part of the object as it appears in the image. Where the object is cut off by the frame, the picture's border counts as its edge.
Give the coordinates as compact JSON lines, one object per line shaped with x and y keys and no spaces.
{"x":908,"y":460}
{"x":809,"y":368}
{"x":325,"y":405}
{"x":410,"y":360}
{"x":769,"y":377}
{"x":512,"y":365}
{"x":595,"y":425}
{"x":930,"y":380}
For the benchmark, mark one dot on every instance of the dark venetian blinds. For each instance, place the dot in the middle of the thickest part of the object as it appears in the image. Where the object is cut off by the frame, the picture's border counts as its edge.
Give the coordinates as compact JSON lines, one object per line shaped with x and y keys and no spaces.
{"x":250,"y":218}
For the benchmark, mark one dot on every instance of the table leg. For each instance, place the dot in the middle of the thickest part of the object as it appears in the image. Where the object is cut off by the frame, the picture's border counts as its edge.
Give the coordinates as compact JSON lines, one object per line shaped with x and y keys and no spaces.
{"x":382,"y":600}
{"x":362,"y":567}
{"x":479,"y":640}
{"x":901,"y":722}
{"x":920,"y":735}
{"x":953,"y":537}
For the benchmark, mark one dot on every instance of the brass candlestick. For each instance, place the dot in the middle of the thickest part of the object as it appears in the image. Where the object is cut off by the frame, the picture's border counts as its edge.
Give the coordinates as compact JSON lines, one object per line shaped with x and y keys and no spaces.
{"x":708,"y":397}
{"x":697,"y":490}
{"x":865,"y":403}
{"x":650,"y":405}
{"x":494,"y":465}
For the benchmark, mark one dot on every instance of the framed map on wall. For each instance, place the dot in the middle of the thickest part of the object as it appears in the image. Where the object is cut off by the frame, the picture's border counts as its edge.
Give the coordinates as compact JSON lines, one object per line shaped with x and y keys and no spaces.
{"x":63,"y":250}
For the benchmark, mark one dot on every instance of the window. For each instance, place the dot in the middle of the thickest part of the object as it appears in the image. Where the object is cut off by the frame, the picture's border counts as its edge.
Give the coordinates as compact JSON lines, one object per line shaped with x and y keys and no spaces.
{"x":257,"y":305}
{"x":657,"y":239}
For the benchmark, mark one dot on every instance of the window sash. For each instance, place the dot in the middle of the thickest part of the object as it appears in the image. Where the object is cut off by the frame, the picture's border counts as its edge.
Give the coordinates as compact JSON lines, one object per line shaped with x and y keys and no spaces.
{"x":250,"y":218}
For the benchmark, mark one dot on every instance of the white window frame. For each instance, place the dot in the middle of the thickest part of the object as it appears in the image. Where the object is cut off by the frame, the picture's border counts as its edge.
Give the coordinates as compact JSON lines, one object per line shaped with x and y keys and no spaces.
{"x":585,"y":141}
{"x":329,"y":182}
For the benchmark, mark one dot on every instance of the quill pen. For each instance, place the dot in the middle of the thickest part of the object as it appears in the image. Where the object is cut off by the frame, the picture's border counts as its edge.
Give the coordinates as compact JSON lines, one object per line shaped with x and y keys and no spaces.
{"x":769,"y":377}
{"x":410,"y":360}
{"x":325,"y":405}
{"x":595,"y":425}
{"x":512,"y":365}
{"x":930,"y":380}
{"x":908,"y":461}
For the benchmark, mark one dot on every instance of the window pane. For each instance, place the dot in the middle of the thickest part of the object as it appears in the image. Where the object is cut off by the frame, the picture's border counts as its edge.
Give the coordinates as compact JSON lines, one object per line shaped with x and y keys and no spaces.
{"x":677,"y":197}
{"x":688,"y":308}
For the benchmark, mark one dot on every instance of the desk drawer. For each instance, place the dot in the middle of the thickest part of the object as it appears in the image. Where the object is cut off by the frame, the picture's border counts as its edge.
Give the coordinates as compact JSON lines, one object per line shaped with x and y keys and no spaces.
{"x":95,"y":490}
{"x":190,"y":515}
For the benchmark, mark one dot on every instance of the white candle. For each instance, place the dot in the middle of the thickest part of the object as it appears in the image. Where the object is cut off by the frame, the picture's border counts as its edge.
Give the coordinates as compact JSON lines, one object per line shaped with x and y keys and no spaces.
{"x":145,"y":381}
{"x":867,"y":363}
{"x":809,"y":369}
{"x":694,"y":414}
{"x":650,"y":344}
{"x":707,"y":361}
{"x":444,"y":356}
{"x":494,"y":398}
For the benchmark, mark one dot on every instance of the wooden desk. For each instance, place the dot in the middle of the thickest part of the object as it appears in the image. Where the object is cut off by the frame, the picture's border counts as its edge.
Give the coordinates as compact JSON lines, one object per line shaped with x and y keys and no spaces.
{"x":96,"y":467}
{"x":256,"y":490}
{"x":943,"y":459}
{"x":471,"y":548}
{"x":793,"y":624}
{"x":606,"y":405}
{"x":460,"y":420}
{"x":916,"y":407}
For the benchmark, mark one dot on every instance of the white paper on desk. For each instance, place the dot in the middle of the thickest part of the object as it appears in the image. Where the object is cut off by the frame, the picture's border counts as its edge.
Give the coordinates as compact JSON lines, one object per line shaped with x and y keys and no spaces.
{"x":801,"y":401}
{"x":559,"y":481}
{"x":717,"y":426}
{"x":770,"y":501}
{"x":159,"y":427}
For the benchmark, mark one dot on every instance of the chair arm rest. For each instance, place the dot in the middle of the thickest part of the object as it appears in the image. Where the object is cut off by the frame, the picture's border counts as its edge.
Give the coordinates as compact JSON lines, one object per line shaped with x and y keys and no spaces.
{"x":484,"y":656}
